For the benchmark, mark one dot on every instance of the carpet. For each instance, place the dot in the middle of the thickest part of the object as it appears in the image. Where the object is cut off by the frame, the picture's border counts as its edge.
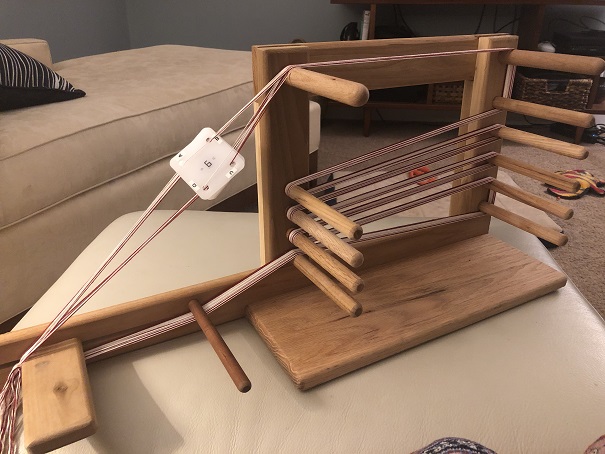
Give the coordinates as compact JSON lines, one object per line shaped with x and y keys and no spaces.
{"x":582,"y":258}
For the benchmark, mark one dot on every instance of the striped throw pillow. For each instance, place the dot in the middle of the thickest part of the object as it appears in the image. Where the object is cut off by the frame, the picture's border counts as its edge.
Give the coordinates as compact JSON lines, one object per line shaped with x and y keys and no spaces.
{"x":26,"y":82}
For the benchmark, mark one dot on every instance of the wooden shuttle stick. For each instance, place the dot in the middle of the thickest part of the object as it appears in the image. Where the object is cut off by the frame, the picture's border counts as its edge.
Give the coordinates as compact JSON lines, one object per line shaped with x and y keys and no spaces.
{"x":337,"y":220}
{"x":342,"y":249}
{"x":522,"y":223}
{"x":337,"y":89}
{"x":233,"y":368}
{"x":328,"y":286}
{"x":556,"y":62}
{"x":548,"y":206}
{"x":569,"y":117}
{"x":345,"y":276}
{"x":544,"y":143}
{"x":545,"y":176}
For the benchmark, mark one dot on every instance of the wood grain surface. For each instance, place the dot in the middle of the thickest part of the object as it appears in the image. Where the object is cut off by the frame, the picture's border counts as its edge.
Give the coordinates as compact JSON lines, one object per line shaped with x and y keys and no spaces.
{"x":577,"y":64}
{"x":488,"y":82}
{"x":536,"y":173}
{"x":544,"y":143}
{"x":351,"y":93}
{"x":57,"y":401}
{"x":528,"y":198}
{"x":406,"y":302}
{"x":282,"y":146}
{"x":569,"y":117}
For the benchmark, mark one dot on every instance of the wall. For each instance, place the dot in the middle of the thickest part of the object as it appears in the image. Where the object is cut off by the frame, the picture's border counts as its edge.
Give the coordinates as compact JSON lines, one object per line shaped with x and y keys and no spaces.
{"x":429,"y":20}
{"x":233,"y":24}
{"x":569,"y":18}
{"x":573,"y":19}
{"x":73,"y":28}
{"x":239,"y":25}
{"x":83,"y":27}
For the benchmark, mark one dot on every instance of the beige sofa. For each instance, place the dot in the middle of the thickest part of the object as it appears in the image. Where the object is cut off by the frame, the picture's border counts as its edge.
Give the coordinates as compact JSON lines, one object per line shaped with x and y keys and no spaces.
{"x":69,"y":169}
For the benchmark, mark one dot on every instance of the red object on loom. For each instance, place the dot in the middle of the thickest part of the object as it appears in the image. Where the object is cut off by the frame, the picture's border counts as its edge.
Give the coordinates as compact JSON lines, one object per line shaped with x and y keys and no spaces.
{"x":420,"y":171}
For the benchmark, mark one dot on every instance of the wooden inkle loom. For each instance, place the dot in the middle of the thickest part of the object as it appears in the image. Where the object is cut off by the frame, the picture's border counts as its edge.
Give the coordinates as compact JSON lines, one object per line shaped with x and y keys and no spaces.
{"x":408,"y":285}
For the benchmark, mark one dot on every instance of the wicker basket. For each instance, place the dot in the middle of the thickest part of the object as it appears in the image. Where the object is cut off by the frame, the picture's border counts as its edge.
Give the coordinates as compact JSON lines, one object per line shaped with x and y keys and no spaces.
{"x":563,"y":90}
{"x":447,"y":93}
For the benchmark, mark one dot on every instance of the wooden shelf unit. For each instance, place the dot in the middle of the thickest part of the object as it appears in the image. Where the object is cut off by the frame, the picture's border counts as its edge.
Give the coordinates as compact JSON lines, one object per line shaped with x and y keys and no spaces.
{"x":529,"y":32}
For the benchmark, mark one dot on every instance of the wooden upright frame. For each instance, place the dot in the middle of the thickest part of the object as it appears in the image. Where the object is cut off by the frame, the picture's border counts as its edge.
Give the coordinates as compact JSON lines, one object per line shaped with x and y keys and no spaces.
{"x":282,"y":135}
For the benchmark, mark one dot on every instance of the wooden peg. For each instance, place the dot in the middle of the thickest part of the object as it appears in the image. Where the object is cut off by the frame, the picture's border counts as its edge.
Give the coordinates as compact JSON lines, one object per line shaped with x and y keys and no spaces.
{"x":341,"y":90}
{"x":523,"y":168}
{"x":339,"y":247}
{"x":569,"y":117}
{"x":548,"y":206}
{"x":544,"y":143}
{"x":337,"y":220}
{"x":233,"y":368}
{"x":550,"y":235}
{"x":578,"y":64}
{"x":328,"y":286}
{"x":345,"y":276}
{"x":57,"y":401}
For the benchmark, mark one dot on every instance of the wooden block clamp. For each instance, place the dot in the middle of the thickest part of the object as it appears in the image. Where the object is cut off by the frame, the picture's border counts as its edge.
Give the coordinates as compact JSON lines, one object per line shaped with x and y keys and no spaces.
{"x":57,"y":401}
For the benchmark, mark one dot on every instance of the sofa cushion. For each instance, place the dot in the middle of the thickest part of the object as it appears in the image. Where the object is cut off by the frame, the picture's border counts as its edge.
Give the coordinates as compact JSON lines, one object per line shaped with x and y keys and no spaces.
{"x":25,"y":82}
{"x":34,"y":47}
{"x":142,"y":105}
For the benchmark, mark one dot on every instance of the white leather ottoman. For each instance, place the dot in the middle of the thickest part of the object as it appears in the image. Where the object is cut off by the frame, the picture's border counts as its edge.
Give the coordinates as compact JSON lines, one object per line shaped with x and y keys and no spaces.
{"x":530,"y":380}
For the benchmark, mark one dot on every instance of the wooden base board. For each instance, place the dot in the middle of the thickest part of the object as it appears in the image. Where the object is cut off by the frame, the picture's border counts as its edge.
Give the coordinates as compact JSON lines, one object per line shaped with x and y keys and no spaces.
{"x":406,"y":302}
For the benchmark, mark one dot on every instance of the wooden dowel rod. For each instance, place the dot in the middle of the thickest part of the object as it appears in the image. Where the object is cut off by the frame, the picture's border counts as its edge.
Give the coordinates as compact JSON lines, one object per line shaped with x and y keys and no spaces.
{"x":233,"y":368}
{"x":345,"y":276}
{"x":523,"y":168}
{"x":550,"y":235}
{"x":342,"y":249}
{"x":569,"y":117}
{"x":328,"y":286}
{"x":548,"y":206}
{"x":337,"y":220}
{"x":334,"y":88}
{"x":577,"y":64}
{"x":544,"y":143}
